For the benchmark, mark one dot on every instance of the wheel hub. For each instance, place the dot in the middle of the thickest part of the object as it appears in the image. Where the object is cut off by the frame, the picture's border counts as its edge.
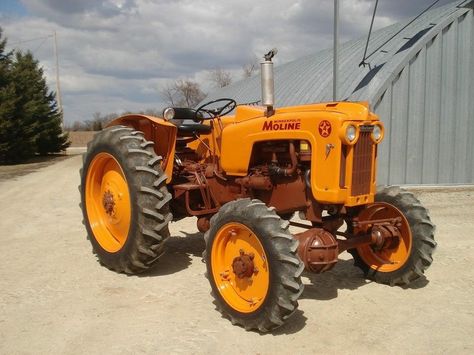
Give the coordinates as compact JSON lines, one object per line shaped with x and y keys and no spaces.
{"x":243,"y":265}
{"x":108,"y":202}
{"x":239,"y":267}
{"x":391,"y":237}
{"x":385,"y":237}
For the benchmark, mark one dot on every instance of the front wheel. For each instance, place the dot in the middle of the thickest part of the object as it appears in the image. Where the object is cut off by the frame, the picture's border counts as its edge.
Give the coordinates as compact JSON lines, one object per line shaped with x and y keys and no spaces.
{"x":252,"y":265}
{"x":404,"y":260}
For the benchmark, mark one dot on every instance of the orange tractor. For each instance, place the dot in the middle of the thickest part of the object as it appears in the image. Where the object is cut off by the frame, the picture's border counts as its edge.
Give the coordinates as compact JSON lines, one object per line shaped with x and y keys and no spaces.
{"x":244,"y":176}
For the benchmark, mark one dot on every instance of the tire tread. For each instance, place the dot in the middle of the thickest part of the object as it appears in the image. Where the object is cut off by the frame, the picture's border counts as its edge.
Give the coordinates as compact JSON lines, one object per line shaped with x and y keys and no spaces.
{"x":145,"y":242}
{"x":289,"y":287}
{"x":423,"y":243}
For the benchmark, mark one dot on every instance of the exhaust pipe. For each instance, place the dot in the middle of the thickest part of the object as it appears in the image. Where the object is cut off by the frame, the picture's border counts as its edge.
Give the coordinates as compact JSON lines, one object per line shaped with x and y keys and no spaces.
{"x":268,"y":90}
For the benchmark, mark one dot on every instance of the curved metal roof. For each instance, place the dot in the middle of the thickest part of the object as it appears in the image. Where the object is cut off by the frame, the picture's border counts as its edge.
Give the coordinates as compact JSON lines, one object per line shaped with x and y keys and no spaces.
{"x":309,"y":79}
{"x":420,"y":83}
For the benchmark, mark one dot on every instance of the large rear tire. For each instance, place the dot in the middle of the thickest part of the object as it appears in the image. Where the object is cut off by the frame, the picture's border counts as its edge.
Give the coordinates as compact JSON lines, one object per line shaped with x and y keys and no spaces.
{"x":124,"y":200}
{"x":408,"y":260}
{"x":252,"y":265}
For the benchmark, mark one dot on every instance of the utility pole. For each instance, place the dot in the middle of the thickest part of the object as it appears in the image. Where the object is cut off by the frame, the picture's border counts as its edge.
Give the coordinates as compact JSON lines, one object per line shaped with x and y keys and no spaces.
{"x":58,"y":87}
{"x":335,"y":66}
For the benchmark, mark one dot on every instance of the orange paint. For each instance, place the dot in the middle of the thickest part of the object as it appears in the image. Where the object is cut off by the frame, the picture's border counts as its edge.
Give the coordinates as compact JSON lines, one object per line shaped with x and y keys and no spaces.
{"x":108,"y":202}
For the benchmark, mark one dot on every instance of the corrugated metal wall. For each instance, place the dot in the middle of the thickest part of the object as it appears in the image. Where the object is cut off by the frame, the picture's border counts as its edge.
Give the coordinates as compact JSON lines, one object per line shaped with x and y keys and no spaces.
{"x":428,"y":111}
{"x":420,"y":81}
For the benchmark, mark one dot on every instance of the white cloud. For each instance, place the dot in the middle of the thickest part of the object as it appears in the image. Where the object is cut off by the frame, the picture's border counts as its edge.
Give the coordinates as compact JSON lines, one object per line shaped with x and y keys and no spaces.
{"x":115,"y":54}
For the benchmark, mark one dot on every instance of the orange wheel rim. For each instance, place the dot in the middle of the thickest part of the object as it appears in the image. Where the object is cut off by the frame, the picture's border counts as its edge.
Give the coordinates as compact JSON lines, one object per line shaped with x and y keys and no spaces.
{"x":107,"y":202}
{"x":243,"y":294}
{"x":391,"y":258}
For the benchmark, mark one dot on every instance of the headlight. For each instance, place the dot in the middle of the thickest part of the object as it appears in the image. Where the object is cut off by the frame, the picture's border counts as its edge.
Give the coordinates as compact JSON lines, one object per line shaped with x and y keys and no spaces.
{"x":168,"y":113}
{"x":377,"y":133}
{"x":351,"y":133}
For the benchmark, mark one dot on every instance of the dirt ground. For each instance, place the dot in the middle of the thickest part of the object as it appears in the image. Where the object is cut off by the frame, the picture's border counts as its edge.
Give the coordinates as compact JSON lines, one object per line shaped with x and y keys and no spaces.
{"x":56,"y":298}
{"x":8,"y":172}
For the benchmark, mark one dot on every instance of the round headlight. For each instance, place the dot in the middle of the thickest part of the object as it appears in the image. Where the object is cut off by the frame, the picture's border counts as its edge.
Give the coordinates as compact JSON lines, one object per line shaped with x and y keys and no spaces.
{"x":377,"y":133}
{"x":168,"y":113}
{"x":351,"y":133}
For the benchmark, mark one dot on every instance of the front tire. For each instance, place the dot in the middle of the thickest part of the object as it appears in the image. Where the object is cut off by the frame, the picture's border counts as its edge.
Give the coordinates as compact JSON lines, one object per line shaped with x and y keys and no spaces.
{"x":124,"y":200}
{"x":408,"y":260}
{"x":261,"y":296}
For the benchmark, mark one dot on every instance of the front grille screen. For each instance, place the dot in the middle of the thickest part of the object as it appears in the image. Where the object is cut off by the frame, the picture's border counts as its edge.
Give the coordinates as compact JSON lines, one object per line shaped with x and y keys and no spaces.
{"x":362,"y":164}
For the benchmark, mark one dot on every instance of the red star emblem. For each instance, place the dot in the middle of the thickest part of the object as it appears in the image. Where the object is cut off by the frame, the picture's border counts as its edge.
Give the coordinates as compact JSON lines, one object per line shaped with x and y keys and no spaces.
{"x":324,"y":128}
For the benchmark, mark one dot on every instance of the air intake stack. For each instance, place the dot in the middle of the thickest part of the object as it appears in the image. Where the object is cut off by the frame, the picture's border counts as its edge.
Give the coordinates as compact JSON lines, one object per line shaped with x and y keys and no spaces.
{"x":268,"y":90}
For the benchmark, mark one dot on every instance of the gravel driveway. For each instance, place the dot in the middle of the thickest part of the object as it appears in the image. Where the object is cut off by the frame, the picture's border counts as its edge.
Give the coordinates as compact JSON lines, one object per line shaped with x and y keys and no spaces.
{"x":56,"y":298}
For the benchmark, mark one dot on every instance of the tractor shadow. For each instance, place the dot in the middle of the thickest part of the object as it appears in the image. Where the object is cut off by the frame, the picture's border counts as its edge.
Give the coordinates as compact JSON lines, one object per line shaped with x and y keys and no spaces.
{"x":344,"y":276}
{"x":325,"y":286}
{"x":10,"y":171}
{"x":319,"y":287}
{"x":292,"y":326}
{"x":177,"y":256}
{"x":420,"y":283}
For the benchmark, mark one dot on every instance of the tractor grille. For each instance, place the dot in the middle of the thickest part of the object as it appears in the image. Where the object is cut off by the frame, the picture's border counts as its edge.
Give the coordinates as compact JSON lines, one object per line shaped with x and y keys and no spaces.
{"x":362,"y":163}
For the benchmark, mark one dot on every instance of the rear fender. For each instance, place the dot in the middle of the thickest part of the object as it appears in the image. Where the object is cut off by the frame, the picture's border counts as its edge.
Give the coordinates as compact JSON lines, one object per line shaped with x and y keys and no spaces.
{"x":157,"y":130}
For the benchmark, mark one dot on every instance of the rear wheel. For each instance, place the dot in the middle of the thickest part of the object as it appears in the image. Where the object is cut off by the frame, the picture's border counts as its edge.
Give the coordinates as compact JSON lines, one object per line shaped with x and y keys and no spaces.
{"x":252,"y":265}
{"x":406,"y":258}
{"x":124,"y":200}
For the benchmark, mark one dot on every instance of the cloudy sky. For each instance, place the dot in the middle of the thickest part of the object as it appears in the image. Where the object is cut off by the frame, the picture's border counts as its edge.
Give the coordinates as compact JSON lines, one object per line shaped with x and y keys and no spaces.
{"x":116,"y":55}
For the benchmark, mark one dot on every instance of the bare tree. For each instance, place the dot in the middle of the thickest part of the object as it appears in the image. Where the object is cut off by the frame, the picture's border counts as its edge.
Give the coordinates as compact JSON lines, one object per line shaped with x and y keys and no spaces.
{"x":184,"y":93}
{"x":169,"y":93}
{"x":152,"y":112}
{"x":99,"y":121}
{"x":220,"y":77}
{"x":191,"y":93}
{"x":251,"y":67}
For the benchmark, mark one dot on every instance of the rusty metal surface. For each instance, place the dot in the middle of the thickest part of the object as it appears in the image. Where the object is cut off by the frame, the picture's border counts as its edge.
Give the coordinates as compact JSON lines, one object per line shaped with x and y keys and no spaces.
{"x":203,"y":224}
{"x":274,"y":169}
{"x":318,"y":249}
{"x":379,"y":236}
{"x":287,"y":195}
{"x":346,"y":244}
{"x":361,"y":165}
{"x":243,"y":265}
{"x":256,"y":182}
{"x":108,"y":202}
{"x":382,"y":232}
{"x":203,"y":188}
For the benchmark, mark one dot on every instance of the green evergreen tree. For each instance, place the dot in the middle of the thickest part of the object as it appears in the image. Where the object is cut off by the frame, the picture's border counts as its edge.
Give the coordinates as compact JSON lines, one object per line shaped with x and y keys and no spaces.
{"x":21,"y":134}
{"x":4,"y":61}
{"x":15,"y":136}
{"x":39,"y":108}
{"x":30,"y":121}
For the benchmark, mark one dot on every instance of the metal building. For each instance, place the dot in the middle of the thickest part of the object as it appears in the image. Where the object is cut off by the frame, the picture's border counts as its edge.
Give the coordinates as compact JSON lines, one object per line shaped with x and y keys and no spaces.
{"x":420,"y":81}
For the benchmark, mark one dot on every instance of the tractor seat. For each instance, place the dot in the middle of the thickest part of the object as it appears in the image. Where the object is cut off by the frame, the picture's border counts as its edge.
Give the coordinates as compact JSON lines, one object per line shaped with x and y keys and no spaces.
{"x":188,"y":128}
{"x":183,"y":119}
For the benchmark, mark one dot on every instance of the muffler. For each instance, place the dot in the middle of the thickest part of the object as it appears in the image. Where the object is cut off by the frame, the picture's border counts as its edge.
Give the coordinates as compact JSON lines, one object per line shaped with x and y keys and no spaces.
{"x":268,"y":89}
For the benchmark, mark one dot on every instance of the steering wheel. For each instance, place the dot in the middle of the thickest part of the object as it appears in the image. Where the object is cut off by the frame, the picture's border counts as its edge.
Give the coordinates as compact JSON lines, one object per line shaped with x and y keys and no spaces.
{"x":227,"y":106}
